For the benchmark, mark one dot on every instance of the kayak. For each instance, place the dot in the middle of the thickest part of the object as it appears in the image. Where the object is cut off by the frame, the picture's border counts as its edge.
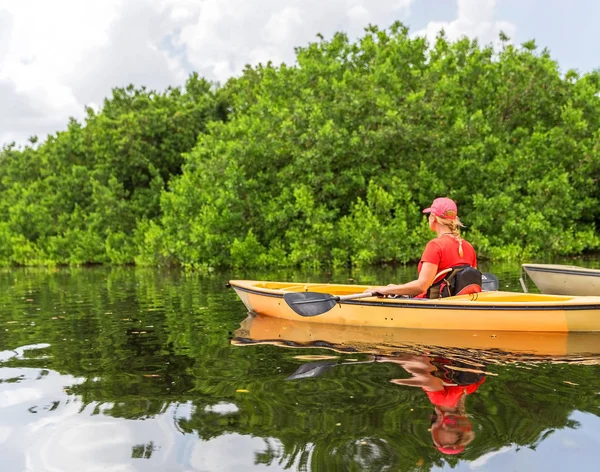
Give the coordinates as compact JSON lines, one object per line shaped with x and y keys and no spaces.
{"x":503,"y":346}
{"x":564,"y":279}
{"x":484,"y":311}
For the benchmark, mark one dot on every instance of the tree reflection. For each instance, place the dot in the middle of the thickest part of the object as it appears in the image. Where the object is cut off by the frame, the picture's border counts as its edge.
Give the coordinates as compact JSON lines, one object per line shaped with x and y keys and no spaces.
{"x":143,"y":345}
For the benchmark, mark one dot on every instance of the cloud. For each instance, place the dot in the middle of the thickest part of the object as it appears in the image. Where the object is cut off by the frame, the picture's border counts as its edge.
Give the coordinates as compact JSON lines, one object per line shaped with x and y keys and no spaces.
{"x":483,"y":460}
{"x":58,"y":57}
{"x":136,"y":52}
{"x":18,"y":116}
{"x":220,"y":38}
{"x":46,"y":39}
{"x":475,"y":19}
{"x":40,"y":45}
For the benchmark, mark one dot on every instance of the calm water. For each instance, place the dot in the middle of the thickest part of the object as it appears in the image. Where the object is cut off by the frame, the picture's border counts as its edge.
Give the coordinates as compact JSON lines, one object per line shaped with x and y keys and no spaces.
{"x":133,"y":370}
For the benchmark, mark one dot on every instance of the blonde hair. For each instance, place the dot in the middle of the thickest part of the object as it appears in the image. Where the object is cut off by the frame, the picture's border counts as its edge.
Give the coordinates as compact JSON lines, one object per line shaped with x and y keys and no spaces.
{"x":463,"y":438}
{"x":454,"y":226}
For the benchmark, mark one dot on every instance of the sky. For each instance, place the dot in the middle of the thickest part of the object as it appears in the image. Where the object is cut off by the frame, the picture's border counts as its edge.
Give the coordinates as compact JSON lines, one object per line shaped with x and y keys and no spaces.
{"x":59,"y":56}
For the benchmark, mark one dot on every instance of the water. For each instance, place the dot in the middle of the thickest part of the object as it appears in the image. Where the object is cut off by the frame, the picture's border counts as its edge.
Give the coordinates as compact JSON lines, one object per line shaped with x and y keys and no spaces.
{"x":135,"y":370}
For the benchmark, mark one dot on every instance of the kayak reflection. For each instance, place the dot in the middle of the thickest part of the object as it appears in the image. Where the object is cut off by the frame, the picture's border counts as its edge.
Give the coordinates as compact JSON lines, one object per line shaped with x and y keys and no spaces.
{"x":500,"y":346}
{"x":451,"y":369}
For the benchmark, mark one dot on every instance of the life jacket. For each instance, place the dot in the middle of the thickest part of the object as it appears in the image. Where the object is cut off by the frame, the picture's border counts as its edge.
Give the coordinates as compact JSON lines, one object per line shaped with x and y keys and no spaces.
{"x":461,"y":280}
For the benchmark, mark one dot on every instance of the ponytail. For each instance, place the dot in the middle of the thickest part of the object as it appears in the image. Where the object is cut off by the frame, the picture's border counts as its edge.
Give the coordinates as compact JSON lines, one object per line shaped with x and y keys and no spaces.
{"x":454,"y":226}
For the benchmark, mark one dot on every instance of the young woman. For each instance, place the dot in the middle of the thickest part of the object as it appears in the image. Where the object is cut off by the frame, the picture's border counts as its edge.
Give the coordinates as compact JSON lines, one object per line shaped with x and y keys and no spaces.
{"x":447,"y":250}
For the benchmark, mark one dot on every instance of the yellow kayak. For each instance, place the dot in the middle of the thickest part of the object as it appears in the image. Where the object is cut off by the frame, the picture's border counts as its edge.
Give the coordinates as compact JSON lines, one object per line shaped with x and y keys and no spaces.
{"x":485,"y":311}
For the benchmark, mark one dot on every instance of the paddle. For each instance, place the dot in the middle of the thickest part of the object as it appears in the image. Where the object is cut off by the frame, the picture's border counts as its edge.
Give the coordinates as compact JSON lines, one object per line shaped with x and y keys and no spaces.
{"x":314,"y":304}
{"x":314,"y":369}
{"x":311,"y":369}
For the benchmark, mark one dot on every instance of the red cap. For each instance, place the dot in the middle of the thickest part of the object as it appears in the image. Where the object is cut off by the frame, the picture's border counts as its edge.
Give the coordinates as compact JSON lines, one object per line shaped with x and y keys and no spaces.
{"x":456,"y":423}
{"x":443,"y":207}
{"x":450,"y":450}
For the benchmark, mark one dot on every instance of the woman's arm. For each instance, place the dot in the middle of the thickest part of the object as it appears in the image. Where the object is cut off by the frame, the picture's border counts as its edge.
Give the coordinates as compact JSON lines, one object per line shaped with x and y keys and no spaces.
{"x":415,"y":287}
{"x":420,"y":369}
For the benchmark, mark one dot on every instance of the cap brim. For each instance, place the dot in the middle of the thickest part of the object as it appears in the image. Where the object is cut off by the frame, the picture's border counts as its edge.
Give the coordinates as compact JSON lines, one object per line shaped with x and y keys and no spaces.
{"x":427,"y":210}
{"x":451,"y":451}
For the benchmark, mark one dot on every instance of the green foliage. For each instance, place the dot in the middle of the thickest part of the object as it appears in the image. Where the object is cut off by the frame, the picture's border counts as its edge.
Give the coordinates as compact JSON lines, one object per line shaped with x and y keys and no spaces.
{"x":81,"y":196}
{"x":328,"y":161}
{"x":385,"y":228}
{"x":332,"y":160}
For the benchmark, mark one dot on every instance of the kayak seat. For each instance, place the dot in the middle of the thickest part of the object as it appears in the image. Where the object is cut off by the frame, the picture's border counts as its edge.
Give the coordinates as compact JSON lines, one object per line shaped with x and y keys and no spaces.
{"x":472,"y":288}
{"x":461,"y":280}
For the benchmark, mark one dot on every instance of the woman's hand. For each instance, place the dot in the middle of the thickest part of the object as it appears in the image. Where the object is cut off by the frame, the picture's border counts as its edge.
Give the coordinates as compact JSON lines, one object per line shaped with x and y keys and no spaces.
{"x":381,"y":291}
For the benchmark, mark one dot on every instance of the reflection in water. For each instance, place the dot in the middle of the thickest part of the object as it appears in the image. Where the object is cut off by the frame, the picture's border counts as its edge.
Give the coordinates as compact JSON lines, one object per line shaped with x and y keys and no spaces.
{"x":447,"y":388}
{"x":43,"y":427}
{"x":449,"y":372}
{"x":136,"y":370}
{"x":447,"y":383}
{"x":501,"y":347}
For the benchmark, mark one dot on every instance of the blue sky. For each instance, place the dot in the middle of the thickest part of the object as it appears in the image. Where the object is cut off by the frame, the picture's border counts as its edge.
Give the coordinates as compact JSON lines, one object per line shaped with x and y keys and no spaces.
{"x":56,"y":57}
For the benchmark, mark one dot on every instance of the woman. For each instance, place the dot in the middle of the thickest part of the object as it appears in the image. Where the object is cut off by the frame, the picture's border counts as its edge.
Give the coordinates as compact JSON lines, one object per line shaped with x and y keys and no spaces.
{"x":446,"y":251}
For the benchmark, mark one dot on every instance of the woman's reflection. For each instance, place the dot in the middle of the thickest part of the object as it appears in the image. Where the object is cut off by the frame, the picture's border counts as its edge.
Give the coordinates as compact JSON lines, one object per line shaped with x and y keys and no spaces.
{"x":447,"y":384}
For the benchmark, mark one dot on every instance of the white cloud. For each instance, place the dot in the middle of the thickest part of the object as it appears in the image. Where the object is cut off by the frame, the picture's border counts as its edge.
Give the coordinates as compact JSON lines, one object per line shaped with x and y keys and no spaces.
{"x":57,"y":57}
{"x":281,"y":24}
{"x":475,"y":19}
{"x":45,"y":38}
{"x":220,"y":38}
{"x":359,"y":13}
{"x":39,"y":48}
{"x":483,"y":460}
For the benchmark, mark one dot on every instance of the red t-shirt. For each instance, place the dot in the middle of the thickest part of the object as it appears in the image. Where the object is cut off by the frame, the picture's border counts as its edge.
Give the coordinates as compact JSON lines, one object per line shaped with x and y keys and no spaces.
{"x":443,"y":252}
{"x":450,"y":395}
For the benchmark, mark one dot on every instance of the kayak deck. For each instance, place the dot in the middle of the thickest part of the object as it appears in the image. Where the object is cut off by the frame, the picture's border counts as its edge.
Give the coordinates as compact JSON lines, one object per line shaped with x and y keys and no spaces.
{"x":517,"y":298}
